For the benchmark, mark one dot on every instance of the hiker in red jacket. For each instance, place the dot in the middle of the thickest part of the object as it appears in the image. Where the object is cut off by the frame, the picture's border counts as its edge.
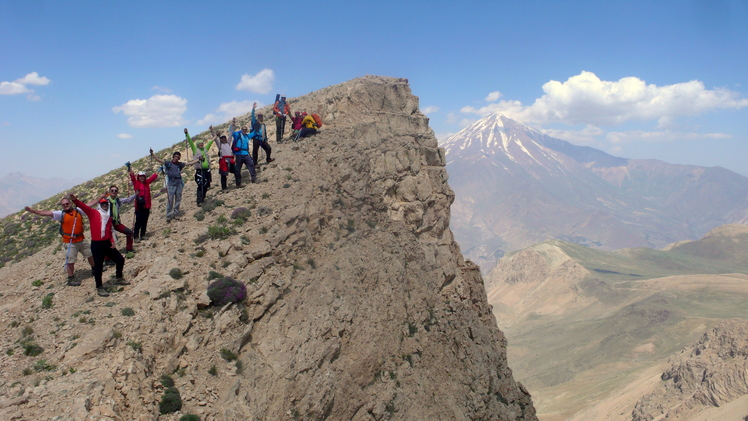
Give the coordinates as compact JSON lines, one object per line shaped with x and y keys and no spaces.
{"x":142,"y":186}
{"x":100,"y":222}
{"x":280,"y":110}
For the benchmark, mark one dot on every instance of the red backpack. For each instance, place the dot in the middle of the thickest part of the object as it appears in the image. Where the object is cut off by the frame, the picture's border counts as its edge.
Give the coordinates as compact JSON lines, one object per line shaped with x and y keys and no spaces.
{"x":317,"y":119}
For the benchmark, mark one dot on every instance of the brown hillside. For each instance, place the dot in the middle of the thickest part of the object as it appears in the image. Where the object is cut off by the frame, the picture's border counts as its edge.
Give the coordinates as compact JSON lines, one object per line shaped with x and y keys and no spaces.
{"x":360,"y":305}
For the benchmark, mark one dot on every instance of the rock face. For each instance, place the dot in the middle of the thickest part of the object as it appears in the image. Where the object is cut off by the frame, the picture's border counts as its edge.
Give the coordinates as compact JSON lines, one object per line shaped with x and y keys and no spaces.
{"x":710,"y":373}
{"x":360,"y":305}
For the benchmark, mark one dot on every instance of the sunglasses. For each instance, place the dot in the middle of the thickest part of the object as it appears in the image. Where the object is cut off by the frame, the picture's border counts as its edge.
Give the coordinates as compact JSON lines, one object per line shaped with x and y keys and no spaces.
{"x":113,"y":191}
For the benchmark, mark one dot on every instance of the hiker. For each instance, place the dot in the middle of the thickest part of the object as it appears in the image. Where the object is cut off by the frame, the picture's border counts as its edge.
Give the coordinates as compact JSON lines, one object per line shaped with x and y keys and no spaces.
{"x":101,"y":242}
{"x":71,"y":229}
{"x":260,"y":137}
{"x":226,"y":162}
{"x":296,"y":123}
{"x":114,"y":204}
{"x":280,"y":110}
{"x":173,"y":172}
{"x":142,"y":186}
{"x":240,"y":147}
{"x":310,"y":126}
{"x":202,"y":168}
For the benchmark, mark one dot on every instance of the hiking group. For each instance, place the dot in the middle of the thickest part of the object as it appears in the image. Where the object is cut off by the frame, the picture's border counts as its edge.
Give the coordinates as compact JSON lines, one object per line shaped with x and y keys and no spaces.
{"x":103,"y":213}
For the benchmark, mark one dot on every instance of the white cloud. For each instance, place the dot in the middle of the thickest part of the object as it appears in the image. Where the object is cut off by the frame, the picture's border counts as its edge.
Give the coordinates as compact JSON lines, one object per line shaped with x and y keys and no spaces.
{"x":261,"y":83}
{"x":430,"y":109}
{"x":228,"y":110}
{"x":493,"y":96}
{"x":451,"y":118}
{"x":660,"y":136}
{"x":124,"y":136}
{"x":12,"y":88}
{"x":33,"y":78}
{"x":156,"y":111}
{"x":585,"y":99}
{"x":161,"y":89}
{"x":587,"y":136}
{"x":19,"y":86}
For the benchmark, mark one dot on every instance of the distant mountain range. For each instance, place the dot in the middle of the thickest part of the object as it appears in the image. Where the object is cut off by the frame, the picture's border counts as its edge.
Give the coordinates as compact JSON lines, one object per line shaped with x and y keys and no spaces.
{"x":18,"y":190}
{"x":516,"y":186}
{"x":595,"y":334}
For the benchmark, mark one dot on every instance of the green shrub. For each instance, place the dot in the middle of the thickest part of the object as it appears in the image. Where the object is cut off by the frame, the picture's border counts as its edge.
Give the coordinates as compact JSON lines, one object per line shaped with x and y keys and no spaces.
{"x":219,"y":232}
{"x":167,"y":381}
{"x":226,"y":290}
{"x":241,"y":213}
{"x":171,"y":401}
{"x":213,"y":370}
{"x":47,"y":300}
{"x":127,"y":311}
{"x":228,"y":355}
{"x":135,"y":345}
{"x":37,"y":283}
{"x":31,"y":349}
{"x":189,"y":417}
{"x":42,"y":365}
{"x":176,"y":273}
{"x":214,"y":275}
{"x":199,"y":215}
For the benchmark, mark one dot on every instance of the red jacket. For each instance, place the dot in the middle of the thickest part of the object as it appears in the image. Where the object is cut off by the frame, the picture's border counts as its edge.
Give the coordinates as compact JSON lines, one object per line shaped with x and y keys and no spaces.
{"x":101,"y":226}
{"x":143,"y":189}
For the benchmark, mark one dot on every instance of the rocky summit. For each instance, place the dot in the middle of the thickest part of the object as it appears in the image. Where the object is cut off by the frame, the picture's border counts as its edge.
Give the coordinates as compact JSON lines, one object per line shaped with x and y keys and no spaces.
{"x":359,"y":303}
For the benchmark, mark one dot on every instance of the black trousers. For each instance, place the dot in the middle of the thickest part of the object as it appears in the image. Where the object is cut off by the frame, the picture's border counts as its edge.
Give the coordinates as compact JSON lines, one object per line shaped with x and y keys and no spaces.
{"x":280,"y":127}
{"x":256,"y":144}
{"x":141,"y":222}
{"x":101,"y":249}
{"x":203,"y":179}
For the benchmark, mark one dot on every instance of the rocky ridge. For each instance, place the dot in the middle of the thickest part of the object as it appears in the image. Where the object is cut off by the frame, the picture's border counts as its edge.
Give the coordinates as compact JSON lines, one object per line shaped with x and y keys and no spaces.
{"x":360,"y":305}
{"x":710,"y":373}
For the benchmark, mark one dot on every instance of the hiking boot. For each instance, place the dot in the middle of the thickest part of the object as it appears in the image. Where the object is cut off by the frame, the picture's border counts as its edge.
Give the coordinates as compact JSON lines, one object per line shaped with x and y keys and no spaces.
{"x":118,"y":280}
{"x":271,"y":160}
{"x":102,"y":292}
{"x":73,"y":282}
{"x":254,"y":179}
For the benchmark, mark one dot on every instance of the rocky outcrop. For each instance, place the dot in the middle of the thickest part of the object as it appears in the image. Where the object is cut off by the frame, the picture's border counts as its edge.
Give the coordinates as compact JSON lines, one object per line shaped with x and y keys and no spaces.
{"x":710,"y":373}
{"x":360,"y":305}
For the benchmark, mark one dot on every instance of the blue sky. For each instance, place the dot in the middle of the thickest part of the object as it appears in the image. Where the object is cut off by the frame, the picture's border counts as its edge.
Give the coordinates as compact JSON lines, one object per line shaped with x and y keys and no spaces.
{"x":88,"y":85}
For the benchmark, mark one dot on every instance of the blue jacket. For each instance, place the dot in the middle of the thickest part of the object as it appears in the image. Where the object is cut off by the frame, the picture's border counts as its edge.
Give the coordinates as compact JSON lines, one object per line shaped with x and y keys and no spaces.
{"x":240,"y":145}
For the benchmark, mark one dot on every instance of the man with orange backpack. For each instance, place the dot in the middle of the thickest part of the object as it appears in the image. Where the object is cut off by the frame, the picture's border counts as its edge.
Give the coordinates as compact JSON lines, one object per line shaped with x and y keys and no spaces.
{"x":71,"y":228}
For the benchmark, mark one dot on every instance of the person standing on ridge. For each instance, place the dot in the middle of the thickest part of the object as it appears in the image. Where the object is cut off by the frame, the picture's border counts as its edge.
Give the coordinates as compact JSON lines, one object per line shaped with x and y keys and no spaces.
{"x":71,"y":228}
{"x":101,"y":242}
{"x":226,"y":162}
{"x":260,"y":138}
{"x":173,"y":171}
{"x":202,"y":168}
{"x":280,"y":110}
{"x":240,"y":147}
{"x":114,"y":204}
{"x":142,"y":188}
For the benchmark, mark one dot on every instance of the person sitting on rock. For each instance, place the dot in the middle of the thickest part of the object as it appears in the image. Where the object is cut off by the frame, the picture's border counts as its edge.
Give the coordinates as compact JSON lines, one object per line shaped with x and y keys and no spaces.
{"x":226,"y":163}
{"x":296,"y":123}
{"x":101,"y":242}
{"x":71,"y":228}
{"x":310,"y":126}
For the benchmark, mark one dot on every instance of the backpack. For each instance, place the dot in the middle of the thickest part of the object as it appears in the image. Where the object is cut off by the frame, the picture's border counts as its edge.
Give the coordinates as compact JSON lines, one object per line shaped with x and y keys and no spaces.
{"x":317,"y":120}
